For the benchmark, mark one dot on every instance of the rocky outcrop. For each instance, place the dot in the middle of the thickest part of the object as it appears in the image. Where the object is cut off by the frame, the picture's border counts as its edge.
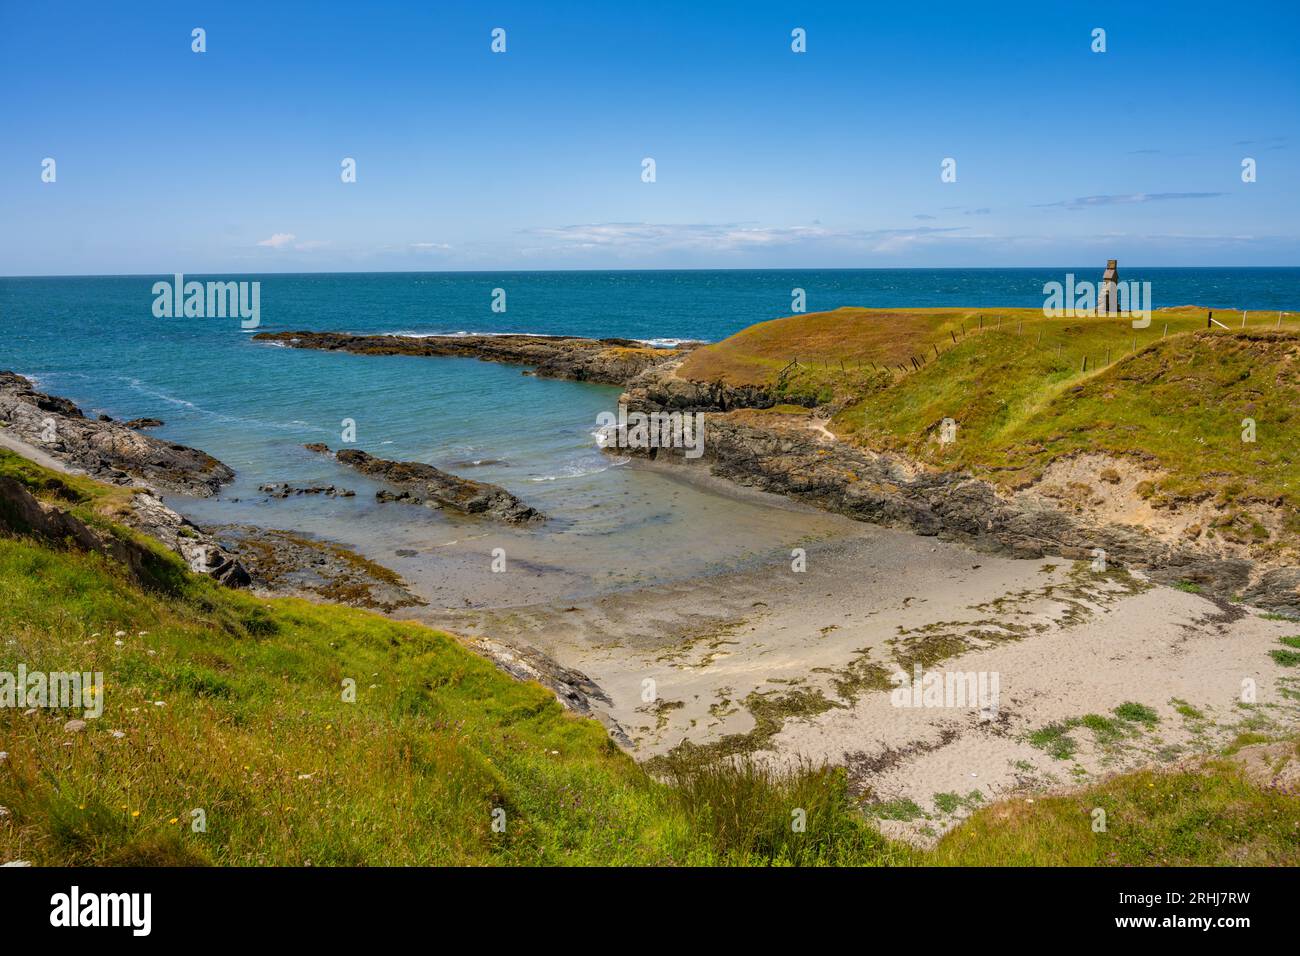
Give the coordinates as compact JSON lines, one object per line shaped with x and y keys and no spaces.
{"x":791,"y":460}
{"x":283,"y":489}
{"x":1277,"y":588}
{"x":202,"y":553}
{"x":21,"y":512}
{"x":107,"y":450}
{"x":139,"y":423}
{"x":661,"y":388}
{"x":419,"y":483}
{"x":573,"y":689}
{"x":606,"y":361}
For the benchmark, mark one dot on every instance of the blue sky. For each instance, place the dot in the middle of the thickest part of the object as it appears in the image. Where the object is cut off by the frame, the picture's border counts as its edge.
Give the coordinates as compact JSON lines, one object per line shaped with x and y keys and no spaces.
{"x":229,"y":160}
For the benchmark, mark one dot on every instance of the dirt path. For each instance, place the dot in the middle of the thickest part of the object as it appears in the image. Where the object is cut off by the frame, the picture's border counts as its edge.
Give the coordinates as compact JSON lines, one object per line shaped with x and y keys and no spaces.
{"x":44,"y":459}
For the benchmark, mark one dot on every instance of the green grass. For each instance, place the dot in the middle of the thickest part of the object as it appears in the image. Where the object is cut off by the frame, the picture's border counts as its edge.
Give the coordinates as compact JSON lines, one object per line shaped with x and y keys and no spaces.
{"x":92,"y":501}
{"x":254,"y":731}
{"x":1214,"y":817}
{"x":952,"y":802}
{"x":1139,"y":713}
{"x":1176,"y":404}
{"x":1104,"y":729}
{"x":1055,"y":739}
{"x":903,"y":808}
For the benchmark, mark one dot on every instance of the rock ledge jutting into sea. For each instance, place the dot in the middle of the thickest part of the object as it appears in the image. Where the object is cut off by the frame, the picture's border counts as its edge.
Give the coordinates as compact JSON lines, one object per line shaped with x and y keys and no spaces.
{"x":605,"y":361}
{"x":107,"y":450}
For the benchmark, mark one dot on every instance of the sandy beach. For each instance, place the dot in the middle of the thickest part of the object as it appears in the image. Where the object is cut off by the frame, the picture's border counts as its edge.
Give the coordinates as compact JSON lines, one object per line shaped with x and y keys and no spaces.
{"x":793,"y":666}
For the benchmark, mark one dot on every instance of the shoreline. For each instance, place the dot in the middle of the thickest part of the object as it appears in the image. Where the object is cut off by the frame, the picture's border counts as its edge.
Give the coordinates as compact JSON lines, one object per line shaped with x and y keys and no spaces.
{"x":789,"y":665}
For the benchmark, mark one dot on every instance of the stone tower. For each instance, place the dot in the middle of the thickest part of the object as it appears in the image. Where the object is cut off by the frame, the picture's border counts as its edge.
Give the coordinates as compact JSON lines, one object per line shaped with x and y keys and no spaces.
{"x":1108,"y":295}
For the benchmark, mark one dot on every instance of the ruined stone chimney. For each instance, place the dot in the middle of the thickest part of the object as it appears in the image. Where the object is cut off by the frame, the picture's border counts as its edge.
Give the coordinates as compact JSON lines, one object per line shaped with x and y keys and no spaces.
{"x":1108,"y":295}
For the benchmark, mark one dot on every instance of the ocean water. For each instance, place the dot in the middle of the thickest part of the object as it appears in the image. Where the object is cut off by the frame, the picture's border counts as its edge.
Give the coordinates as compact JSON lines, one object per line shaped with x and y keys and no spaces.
{"x":253,"y":405}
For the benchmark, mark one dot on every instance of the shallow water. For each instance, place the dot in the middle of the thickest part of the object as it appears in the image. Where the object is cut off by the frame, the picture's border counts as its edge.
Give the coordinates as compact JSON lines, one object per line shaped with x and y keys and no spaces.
{"x":253,"y":405}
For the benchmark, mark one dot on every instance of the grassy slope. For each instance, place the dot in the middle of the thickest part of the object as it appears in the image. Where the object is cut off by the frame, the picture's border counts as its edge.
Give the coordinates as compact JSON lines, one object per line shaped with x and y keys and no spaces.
{"x":253,"y":729}
{"x":1173,"y":393}
{"x":1180,"y":818}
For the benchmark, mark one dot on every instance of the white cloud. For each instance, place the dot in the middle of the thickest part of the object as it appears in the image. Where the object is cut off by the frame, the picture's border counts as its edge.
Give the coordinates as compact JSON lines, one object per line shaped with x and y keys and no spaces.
{"x":1125,"y":199}
{"x":645,"y":237}
{"x":279,"y":240}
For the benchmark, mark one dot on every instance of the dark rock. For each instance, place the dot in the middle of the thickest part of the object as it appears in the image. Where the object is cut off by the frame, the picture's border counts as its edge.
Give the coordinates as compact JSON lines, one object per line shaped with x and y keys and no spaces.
{"x":1277,"y":589}
{"x":609,"y":361}
{"x":107,"y":450}
{"x":138,"y":423}
{"x":284,"y":490}
{"x":418,"y":483}
{"x":659,"y":388}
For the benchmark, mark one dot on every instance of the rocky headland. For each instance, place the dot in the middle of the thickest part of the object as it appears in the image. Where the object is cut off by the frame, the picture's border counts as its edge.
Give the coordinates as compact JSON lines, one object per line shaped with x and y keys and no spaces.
{"x":605,"y":361}
{"x":54,"y":432}
{"x":105,"y":450}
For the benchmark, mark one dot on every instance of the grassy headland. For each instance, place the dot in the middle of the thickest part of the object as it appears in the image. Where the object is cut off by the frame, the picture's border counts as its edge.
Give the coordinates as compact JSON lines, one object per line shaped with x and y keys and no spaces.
{"x":1025,"y":391}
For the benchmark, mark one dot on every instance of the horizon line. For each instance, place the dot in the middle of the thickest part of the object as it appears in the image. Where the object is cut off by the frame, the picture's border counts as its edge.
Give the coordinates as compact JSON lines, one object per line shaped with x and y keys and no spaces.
{"x":347,"y":272}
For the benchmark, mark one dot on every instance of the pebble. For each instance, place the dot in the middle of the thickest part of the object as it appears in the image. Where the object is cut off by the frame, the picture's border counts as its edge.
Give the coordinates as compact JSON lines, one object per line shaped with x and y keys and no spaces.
{"x":75,"y":726}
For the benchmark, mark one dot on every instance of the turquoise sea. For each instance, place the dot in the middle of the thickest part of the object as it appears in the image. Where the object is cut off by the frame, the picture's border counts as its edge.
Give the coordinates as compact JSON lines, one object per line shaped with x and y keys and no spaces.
{"x":95,"y":340}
